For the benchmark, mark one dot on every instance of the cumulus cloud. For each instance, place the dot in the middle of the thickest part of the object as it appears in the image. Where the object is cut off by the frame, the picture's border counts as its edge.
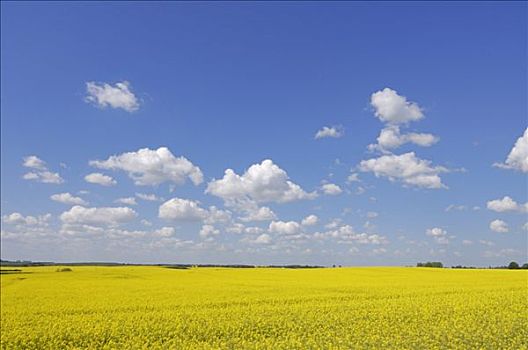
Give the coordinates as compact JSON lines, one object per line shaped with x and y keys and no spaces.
{"x":19,"y":219}
{"x":182,"y":209}
{"x":148,"y":197}
{"x":236,"y":227}
{"x":310,"y":220}
{"x":100,"y":179}
{"x":518,"y":157}
{"x":46,"y":177}
{"x":208,"y":231}
{"x":354,"y":177}
{"x":216,"y":215}
{"x":284,"y":228}
{"x":103,"y":216}
{"x":152,"y":167}
{"x":346,"y":234}
{"x":118,"y":96}
{"x":392,"y":108}
{"x":406,"y":168}
{"x":506,"y":204}
{"x":164,"y":232}
{"x":34,"y":162}
{"x":503,"y":253}
{"x":372,"y":214}
{"x":40,"y":171}
{"x":263,"y":239}
{"x":253,"y":230}
{"x":391,"y":138}
{"x":487,"y":243}
{"x":334,"y":131}
{"x":438,"y":234}
{"x":264,"y":182}
{"x":68,"y":198}
{"x":499,"y":226}
{"x":254,"y":213}
{"x":453,"y":207}
{"x":331,"y":189}
{"x":126,"y":201}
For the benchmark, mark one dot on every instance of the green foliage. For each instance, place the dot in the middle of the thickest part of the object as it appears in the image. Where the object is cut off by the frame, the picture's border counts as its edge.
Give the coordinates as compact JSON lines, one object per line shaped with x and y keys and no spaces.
{"x":430,"y":264}
{"x":513,"y":265}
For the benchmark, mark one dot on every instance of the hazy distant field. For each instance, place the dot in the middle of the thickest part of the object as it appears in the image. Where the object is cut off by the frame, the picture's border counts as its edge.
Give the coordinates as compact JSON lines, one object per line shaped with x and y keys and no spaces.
{"x":210,"y":308}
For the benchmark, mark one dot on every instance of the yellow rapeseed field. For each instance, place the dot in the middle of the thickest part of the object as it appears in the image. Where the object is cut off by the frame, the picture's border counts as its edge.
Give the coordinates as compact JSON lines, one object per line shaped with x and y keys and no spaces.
{"x":220,"y":308}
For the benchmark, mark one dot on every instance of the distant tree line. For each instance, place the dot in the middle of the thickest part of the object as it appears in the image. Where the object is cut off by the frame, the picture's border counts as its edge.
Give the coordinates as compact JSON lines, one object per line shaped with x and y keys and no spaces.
{"x":512,"y":266}
{"x":27,"y":263}
{"x":430,"y":264}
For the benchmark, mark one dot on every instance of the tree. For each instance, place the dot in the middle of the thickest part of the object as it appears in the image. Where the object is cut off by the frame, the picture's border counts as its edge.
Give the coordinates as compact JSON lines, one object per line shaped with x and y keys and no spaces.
{"x":430,"y":264}
{"x":525,"y":266}
{"x":513,"y":266}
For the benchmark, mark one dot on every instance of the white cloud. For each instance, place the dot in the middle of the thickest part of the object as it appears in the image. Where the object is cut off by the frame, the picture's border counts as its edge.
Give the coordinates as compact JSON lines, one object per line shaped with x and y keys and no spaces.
{"x":453,"y":207}
{"x":208,"y":231}
{"x":390,"y":138}
{"x":331,"y":189}
{"x":148,"y":197}
{"x":216,"y":215}
{"x":334,"y":223}
{"x":258,"y":214}
{"x":182,"y":209}
{"x":310,"y":220}
{"x":34,"y":162}
{"x":354,"y":177}
{"x":236,"y":228}
{"x":525,"y":227}
{"x":79,"y":215}
{"x":40,"y":171}
{"x":499,"y":226}
{"x":164,"y":232}
{"x":264,"y":182}
{"x":46,"y":177}
{"x":377,"y":251}
{"x":19,"y":219}
{"x":353,"y":250}
{"x":518,"y":157}
{"x":334,"y":131}
{"x":67,"y":198}
{"x":372,"y":214}
{"x":346,"y":234}
{"x":406,"y":168}
{"x":254,"y":230}
{"x":118,"y":96}
{"x":487,"y":243}
{"x":284,"y":228}
{"x":127,"y":201}
{"x":392,"y":108}
{"x":506,"y":204}
{"x":438,"y":234}
{"x":263,"y":239}
{"x":100,"y":179}
{"x":467,"y":242}
{"x":152,"y":167}
{"x":503,"y":253}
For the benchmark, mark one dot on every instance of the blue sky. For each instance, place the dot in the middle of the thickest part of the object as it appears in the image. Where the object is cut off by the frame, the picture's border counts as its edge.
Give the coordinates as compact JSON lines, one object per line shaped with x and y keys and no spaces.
{"x":123,"y":90}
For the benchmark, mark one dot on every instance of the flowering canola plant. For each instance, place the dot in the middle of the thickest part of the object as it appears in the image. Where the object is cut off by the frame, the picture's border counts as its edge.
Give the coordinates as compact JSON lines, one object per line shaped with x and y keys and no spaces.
{"x":147,"y":307}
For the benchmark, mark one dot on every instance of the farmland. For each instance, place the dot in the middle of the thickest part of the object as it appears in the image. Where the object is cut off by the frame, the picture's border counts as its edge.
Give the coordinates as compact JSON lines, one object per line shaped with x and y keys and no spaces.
{"x":144,"y":307}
